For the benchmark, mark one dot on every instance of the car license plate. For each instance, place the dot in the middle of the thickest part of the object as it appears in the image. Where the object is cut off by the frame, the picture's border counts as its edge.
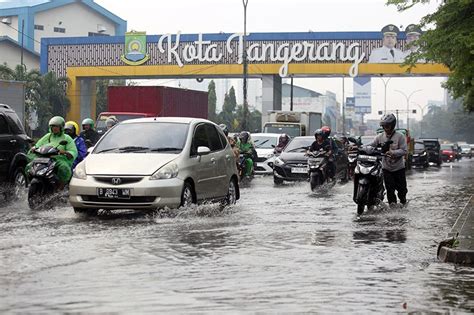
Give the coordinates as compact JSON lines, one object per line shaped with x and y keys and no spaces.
{"x":299,"y":170}
{"x":113,"y":193}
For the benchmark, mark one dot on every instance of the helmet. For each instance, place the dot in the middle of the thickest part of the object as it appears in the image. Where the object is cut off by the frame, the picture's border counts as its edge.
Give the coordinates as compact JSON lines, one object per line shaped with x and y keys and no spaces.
{"x":244,"y":136}
{"x":388,"y":120}
{"x":88,"y":121}
{"x":224,"y":129}
{"x":72,"y":127}
{"x":283,"y":138}
{"x":110,"y":122}
{"x":57,"y":121}
{"x":318,"y":132}
{"x":326,"y":131}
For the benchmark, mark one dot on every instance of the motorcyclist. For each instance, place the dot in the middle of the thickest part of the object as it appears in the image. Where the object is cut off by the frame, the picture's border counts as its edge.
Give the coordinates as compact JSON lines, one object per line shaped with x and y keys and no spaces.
{"x":246,"y":147}
{"x":71,"y":129}
{"x":334,"y":150}
{"x":111,"y":122}
{"x":393,"y":163}
{"x":282,"y":142}
{"x":67,"y":152}
{"x":232,"y":141}
{"x":88,"y":133}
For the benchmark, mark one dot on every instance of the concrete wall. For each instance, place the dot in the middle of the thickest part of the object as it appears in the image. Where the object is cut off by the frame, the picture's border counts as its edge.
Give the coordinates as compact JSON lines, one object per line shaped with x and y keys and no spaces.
{"x":11,"y":53}
{"x":12,"y":93}
{"x":76,"y":18}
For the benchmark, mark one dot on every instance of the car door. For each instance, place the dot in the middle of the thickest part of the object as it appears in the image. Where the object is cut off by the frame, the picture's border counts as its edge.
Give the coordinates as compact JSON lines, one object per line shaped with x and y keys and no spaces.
{"x":7,"y":144}
{"x":204,"y":170}
{"x":220,"y":156}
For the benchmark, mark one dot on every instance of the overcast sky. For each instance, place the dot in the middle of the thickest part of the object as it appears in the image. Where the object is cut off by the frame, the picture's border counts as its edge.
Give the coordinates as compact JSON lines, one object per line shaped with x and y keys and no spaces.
{"x":214,"y":16}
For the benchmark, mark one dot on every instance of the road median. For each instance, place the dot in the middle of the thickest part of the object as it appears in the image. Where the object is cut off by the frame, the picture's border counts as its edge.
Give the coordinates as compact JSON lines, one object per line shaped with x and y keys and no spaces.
{"x":458,"y":248}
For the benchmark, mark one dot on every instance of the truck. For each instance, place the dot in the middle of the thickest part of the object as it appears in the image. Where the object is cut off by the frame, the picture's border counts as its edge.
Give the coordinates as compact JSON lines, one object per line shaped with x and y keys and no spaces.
{"x":128,"y":102}
{"x":293,"y":123}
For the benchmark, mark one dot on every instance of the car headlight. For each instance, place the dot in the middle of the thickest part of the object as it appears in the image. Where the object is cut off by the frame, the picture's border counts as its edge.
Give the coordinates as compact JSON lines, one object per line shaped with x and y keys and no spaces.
{"x":279,"y":162}
{"x":80,"y":171}
{"x":168,"y":171}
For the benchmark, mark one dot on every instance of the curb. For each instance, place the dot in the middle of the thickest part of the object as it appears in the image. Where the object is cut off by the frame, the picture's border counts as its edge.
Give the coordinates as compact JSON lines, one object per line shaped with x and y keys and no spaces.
{"x":459,"y":247}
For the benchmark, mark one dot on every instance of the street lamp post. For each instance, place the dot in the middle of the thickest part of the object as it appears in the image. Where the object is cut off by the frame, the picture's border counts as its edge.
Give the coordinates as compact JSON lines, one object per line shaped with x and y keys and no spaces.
{"x":344,"y":109}
{"x":385,"y":83}
{"x":244,"y":119}
{"x":422,"y":109}
{"x":408,"y":104}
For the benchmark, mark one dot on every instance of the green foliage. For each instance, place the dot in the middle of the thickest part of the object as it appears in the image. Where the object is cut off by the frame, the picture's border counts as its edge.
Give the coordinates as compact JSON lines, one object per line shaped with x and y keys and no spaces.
{"x":232,"y":115}
{"x":211,"y":101}
{"x":450,"y":42}
{"x":44,"y":94}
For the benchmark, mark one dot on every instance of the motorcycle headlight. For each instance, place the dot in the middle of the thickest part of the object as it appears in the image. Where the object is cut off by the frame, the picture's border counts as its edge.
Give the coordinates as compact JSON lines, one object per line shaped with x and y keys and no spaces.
{"x":424,"y":154}
{"x":279,"y":162}
{"x":168,"y":171}
{"x":365,"y":170}
{"x":80,"y":171}
{"x":42,"y":171}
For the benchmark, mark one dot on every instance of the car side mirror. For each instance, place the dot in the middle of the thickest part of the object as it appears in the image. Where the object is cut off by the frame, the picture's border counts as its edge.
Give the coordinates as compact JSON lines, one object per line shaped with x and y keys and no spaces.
{"x":203,"y":150}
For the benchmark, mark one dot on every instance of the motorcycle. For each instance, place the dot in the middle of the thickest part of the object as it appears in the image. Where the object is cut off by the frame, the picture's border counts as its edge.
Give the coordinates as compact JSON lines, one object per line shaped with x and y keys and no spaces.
{"x":317,"y":168}
{"x":44,"y":182}
{"x":368,"y":177}
{"x":241,"y":166}
{"x":351,"y":158}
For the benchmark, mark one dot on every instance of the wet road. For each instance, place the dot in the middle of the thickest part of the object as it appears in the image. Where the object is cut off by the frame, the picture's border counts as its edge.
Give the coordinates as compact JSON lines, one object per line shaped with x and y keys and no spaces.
{"x":280,"y":249}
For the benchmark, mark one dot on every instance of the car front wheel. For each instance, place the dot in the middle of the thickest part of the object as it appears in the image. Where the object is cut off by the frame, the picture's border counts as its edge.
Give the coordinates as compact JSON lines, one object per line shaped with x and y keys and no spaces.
{"x":187,"y":196}
{"x":231,"y":198}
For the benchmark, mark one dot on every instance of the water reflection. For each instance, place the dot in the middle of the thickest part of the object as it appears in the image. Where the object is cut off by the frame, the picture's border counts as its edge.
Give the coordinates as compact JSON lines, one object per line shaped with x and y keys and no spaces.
{"x":371,"y":236}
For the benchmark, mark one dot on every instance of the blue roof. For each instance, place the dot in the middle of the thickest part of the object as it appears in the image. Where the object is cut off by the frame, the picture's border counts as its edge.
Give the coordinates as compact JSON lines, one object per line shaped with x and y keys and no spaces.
{"x":20,"y":3}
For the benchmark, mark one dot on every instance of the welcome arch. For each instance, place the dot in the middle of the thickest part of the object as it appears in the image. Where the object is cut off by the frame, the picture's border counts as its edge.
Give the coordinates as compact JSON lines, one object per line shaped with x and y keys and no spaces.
{"x":271,"y":56}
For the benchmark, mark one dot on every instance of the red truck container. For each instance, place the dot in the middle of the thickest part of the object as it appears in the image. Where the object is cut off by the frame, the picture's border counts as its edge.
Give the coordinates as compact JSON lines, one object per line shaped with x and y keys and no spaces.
{"x":126,"y":102}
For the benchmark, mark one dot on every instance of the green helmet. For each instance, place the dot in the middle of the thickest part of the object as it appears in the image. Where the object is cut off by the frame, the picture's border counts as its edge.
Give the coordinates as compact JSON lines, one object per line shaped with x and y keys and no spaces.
{"x":88,"y":121}
{"x":57,"y":121}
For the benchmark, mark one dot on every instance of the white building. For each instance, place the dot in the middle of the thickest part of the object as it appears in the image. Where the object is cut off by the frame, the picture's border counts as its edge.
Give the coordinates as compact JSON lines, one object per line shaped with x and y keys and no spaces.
{"x":25,"y":22}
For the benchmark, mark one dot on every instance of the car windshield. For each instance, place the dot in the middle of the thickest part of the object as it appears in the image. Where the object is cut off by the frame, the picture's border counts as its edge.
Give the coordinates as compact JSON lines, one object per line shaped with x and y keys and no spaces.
{"x":419,"y":146}
{"x":299,"y":144}
{"x":446,"y":147}
{"x":144,"y":137}
{"x":289,"y":129}
{"x":264,"y":142}
{"x":100,"y":124}
{"x":465,"y":146}
{"x":431,"y":144}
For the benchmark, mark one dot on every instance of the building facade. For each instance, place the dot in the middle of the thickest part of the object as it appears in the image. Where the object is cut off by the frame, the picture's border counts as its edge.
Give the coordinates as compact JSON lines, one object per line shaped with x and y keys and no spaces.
{"x":25,"y":23}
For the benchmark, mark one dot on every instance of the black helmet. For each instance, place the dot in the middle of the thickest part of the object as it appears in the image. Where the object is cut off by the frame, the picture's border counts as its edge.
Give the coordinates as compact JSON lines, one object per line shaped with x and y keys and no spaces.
{"x":244,"y":136}
{"x":284,"y":138}
{"x":388,"y":120}
{"x":318,"y":132}
{"x":224,"y":129}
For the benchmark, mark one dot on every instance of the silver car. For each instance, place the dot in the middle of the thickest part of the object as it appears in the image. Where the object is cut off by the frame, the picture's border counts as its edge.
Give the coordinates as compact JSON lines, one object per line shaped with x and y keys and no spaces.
{"x":151,"y":163}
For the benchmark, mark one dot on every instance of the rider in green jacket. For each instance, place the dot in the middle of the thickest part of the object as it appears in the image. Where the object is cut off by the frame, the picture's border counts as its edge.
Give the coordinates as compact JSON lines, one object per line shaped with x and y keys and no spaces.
{"x":67,"y":152}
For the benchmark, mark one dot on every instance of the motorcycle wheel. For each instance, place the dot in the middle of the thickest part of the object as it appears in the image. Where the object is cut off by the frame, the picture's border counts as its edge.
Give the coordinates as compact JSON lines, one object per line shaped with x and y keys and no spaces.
{"x":35,"y":192}
{"x":314,"y":182}
{"x":360,"y":209}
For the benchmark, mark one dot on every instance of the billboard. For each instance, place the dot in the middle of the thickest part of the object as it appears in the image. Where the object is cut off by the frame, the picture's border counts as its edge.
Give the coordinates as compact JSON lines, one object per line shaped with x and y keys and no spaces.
{"x":362,"y":95}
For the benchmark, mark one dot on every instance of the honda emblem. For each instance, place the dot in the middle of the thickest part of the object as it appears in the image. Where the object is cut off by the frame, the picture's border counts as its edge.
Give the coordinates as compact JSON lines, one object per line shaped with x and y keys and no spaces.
{"x":116,"y":181}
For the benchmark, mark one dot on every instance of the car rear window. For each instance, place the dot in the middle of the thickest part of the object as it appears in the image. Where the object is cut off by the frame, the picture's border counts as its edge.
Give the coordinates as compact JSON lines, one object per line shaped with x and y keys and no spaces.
{"x":160,"y":137}
{"x":431,"y":144}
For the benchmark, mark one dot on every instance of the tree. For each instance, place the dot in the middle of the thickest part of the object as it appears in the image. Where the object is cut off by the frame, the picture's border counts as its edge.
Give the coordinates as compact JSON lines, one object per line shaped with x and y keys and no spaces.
{"x":232,"y":99}
{"x":211,"y":101}
{"x":50,"y":99}
{"x":450,"y":42}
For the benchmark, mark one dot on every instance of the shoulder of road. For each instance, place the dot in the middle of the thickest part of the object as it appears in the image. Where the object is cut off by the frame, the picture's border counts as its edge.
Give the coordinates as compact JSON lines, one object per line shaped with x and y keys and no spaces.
{"x":458,"y":248}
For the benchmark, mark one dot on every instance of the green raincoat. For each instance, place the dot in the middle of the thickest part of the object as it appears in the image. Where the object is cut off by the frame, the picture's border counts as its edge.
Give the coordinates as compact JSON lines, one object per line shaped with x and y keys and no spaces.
{"x":63,"y":164}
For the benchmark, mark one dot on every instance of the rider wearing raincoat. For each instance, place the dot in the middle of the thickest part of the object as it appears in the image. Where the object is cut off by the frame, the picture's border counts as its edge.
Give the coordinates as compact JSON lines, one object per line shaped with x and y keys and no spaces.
{"x":67,"y":153}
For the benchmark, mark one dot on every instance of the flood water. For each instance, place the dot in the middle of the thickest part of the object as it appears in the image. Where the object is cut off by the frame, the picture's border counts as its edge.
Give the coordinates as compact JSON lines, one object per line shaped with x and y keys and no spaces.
{"x":280,"y":249}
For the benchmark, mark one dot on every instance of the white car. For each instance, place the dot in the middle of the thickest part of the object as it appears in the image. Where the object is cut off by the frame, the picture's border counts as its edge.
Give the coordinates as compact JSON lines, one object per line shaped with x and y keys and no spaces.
{"x":265,"y":143}
{"x":151,"y":163}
